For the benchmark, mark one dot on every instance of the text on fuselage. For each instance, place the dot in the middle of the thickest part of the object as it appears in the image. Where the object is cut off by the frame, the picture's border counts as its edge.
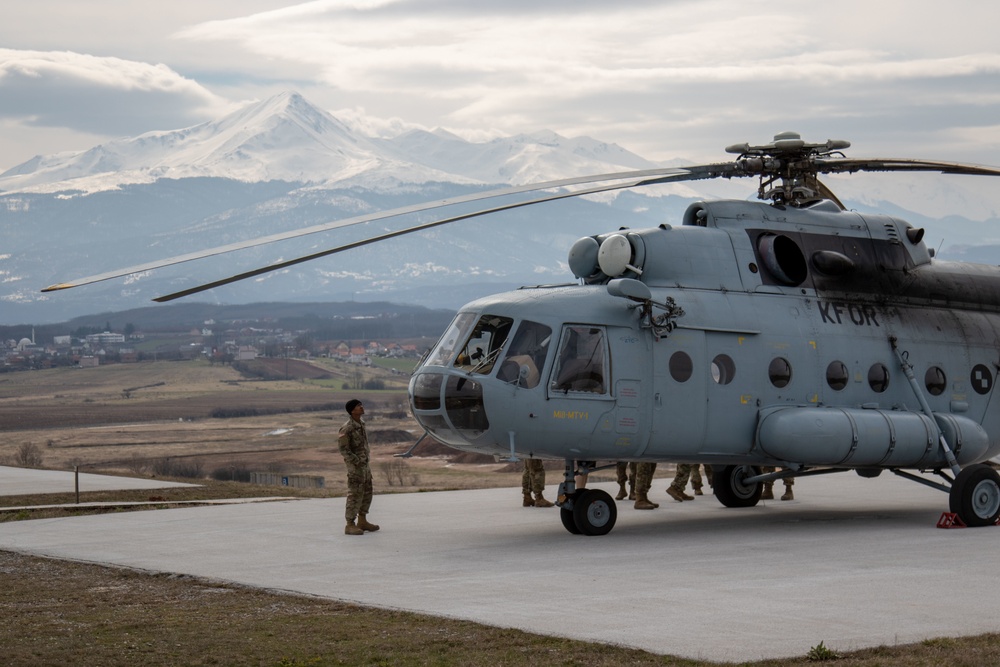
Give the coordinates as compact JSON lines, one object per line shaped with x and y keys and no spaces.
{"x":848,"y":313}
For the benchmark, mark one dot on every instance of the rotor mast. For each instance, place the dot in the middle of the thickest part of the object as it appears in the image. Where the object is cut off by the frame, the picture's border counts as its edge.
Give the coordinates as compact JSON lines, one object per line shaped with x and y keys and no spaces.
{"x":787,"y":167}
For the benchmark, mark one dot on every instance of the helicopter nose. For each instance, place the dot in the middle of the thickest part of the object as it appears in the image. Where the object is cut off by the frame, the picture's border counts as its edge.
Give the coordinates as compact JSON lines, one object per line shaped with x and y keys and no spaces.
{"x":450,"y":406}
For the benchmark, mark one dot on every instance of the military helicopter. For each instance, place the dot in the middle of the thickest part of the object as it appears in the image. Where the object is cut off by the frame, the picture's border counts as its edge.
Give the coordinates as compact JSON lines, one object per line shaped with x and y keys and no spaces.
{"x":786,"y":333}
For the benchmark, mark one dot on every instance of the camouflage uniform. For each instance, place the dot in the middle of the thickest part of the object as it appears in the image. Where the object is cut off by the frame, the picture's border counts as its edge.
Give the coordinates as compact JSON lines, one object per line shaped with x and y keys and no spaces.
{"x":625,"y":474}
{"x":676,"y":488}
{"x":696,"y":481}
{"x":644,"y":476}
{"x":768,"y":492}
{"x":533,"y":481}
{"x":643,"y":482}
{"x":353,"y":444}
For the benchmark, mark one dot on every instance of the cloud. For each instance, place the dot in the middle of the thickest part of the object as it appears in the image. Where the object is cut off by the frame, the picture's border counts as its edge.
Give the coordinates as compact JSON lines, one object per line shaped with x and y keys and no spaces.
{"x":100,"y":95}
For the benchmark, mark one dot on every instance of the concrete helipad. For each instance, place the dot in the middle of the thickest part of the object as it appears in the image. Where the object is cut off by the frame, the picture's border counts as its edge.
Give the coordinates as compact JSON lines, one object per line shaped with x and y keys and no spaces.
{"x":851,"y":562}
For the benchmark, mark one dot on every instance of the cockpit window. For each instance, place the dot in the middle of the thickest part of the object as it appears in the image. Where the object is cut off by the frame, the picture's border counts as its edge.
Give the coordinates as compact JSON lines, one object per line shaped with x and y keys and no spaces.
{"x":482,"y":347}
{"x":526,"y":356}
{"x":581,"y":365}
{"x":444,"y":351}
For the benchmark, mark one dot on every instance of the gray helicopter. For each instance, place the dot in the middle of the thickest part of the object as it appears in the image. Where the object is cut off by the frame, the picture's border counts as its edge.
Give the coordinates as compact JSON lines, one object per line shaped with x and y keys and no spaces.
{"x":787,"y":333}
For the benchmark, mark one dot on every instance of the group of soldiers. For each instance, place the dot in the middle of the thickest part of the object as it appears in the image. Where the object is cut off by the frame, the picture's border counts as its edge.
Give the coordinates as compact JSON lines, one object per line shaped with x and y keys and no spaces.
{"x":639,"y":479}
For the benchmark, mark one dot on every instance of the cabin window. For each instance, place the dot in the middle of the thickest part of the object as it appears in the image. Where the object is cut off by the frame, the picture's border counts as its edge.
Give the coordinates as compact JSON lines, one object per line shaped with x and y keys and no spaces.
{"x":482,"y":347}
{"x":935,"y":381}
{"x":780,"y":372}
{"x":723,"y":369}
{"x":878,"y":378}
{"x":681,"y":366}
{"x":836,"y":375}
{"x":581,"y":365}
{"x":981,"y":379}
{"x":526,"y":355}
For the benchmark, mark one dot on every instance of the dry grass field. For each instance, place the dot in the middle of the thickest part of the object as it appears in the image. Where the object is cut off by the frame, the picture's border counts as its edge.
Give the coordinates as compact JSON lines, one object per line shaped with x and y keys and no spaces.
{"x":191,"y":417}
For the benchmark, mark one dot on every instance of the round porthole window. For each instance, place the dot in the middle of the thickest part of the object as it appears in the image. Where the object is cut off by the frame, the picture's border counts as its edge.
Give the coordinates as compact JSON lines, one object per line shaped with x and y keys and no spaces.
{"x":836,"y":375}
{"x":779,"y":371}
{"x":878,"y":378}
{"x":681,"y":366}
{"x":723,"y":369}
{"x":935,"y":381}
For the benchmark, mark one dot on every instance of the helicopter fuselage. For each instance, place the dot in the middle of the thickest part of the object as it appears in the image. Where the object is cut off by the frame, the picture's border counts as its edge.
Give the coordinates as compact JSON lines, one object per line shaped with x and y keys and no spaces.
{"x":783,"y":339}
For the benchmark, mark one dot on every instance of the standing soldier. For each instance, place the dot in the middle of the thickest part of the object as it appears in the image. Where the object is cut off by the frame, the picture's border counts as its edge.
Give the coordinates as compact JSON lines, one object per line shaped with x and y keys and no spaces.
{"x":353,"y":444}
{"x":533,"y":480}
{"x":643,"y":482}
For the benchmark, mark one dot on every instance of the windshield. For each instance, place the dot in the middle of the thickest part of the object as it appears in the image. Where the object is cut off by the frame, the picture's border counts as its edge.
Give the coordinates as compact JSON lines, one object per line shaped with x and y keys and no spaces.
{"x":444,"y":351}
{"x":483,"y":345}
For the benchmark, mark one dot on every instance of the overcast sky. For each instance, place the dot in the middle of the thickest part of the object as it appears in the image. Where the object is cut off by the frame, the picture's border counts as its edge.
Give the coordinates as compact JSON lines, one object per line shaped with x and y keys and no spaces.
{"x":668,"y":79}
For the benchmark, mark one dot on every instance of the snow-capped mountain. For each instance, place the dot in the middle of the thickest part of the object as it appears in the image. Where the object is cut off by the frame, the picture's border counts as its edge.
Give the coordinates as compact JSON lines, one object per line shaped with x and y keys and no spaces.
{"x":285,"y":138}
{"x":282,"y":164}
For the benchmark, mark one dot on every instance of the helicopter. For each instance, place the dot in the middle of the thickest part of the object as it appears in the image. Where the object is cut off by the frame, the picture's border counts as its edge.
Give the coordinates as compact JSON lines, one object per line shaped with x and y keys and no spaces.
{"x":783,"y":337}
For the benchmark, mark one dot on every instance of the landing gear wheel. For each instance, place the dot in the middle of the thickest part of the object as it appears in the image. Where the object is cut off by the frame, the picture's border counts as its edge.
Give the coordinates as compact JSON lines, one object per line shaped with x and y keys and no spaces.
{"x":566,"y":514}
{"x":975,"y":495}
{"x":730,"y":488}
{"x":594,"y":512}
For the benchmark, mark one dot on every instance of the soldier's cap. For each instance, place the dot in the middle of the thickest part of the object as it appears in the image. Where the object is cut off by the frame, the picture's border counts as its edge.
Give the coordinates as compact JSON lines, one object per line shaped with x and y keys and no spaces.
{"x":351,"y":404}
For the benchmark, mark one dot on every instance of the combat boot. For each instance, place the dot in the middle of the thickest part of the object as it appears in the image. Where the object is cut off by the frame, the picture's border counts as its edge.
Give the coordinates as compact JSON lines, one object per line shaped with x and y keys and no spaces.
{"x":697,"y":491}
{"x":540,"y":501}
{"x":621,"y":492}
{"x":351,"y":529}
{"x":644,"y":503}
{"x":364,"y":525}
{"x":675,"y":494}
{"x":788,"y":494}
{"x":631,"y":490}
{"x":768,"y":493}
{"x":527,"y":502}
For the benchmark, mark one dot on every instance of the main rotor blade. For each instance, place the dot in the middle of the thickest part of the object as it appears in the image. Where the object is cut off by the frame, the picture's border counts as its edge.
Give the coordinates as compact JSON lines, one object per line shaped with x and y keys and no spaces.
{"x":850,"y":165}
{"x":695,"y":173}
{"x":380,"y":215}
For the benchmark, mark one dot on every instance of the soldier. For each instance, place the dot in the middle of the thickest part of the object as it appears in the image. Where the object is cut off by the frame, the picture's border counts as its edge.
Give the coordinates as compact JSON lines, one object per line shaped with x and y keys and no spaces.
{"x":676,"y":488}
{"x":533,"y":480}
{"x":353,"y":444}
{"x":768,"y":493}
{"x":696,"y":482}
{"x":643,"y":482}
{"x":626,"y":473}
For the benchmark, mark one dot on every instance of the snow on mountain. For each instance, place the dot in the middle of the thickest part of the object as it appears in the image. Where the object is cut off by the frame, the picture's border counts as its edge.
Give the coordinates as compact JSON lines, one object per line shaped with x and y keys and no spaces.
{"x":283,"y":138}
{"x":286,"y":138}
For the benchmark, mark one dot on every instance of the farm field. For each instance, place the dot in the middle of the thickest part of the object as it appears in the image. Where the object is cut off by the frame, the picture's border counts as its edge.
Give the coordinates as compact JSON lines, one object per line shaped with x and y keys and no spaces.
{"x":194,"y":419}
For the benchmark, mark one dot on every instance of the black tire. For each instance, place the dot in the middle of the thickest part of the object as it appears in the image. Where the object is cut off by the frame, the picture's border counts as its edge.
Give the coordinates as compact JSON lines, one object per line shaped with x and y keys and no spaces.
{"x":569,"y":523}
{"x":730,"y":489}
{"x":594,"y":512}
{"x":975,"y":496}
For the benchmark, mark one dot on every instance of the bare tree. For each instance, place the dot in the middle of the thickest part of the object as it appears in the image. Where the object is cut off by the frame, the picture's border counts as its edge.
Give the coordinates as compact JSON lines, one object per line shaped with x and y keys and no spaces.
{"x":28,"y":456}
